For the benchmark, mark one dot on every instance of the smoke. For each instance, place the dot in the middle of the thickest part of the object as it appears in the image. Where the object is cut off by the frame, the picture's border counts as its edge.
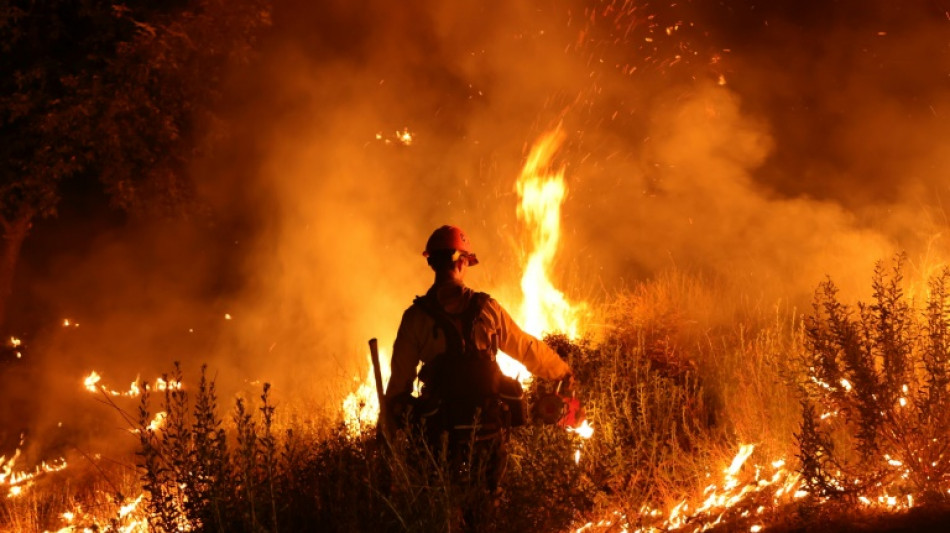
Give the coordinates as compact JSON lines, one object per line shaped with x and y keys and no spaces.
{"x":689,"y":146}
{"x":418,"y":120}
{"x":766,"y":147}
{"x":763,"y":146}
{"x":808,"y":144}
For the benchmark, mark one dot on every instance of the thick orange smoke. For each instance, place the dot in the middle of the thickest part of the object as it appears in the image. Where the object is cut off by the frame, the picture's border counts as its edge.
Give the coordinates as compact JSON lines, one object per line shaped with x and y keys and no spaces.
{"x":762,"y":148}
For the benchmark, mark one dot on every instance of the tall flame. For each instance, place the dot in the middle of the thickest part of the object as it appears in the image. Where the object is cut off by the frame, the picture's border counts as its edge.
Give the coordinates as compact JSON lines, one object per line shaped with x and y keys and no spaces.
{"x":542,"y":190}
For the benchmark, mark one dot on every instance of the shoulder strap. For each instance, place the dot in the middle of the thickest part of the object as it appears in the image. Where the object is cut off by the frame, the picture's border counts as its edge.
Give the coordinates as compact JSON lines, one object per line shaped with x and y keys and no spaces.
{"x":456,"y":341}
{"x":453,"y":339}
{"x":475,"y":307}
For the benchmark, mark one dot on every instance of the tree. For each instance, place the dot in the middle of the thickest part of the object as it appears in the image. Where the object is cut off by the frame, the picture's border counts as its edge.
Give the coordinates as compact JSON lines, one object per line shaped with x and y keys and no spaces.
{"x":116,"y":91}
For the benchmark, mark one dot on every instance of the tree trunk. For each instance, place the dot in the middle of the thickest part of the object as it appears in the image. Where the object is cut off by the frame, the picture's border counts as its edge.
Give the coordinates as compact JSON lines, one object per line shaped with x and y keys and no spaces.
{"x":14,"y":231}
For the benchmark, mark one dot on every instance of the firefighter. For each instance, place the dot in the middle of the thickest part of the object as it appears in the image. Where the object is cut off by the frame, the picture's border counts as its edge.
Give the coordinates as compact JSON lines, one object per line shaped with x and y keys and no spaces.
{"x":455,"y":333}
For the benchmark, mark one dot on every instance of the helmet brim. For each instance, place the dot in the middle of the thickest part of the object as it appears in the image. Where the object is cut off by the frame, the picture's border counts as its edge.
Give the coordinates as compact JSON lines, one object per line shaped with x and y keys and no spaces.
{"x":469,"y":257}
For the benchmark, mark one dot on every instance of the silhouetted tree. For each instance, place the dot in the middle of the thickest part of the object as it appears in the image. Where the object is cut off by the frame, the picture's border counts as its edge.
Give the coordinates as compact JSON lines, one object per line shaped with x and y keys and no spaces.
{"x":121,"y":92}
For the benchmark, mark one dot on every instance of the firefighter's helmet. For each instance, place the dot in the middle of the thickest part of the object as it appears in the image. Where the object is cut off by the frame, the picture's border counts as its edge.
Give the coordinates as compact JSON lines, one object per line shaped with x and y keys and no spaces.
{"x":451,"y":238}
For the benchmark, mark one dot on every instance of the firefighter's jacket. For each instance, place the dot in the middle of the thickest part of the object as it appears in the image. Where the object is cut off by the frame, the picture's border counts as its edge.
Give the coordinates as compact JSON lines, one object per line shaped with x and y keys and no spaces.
{"x":420,"y":340}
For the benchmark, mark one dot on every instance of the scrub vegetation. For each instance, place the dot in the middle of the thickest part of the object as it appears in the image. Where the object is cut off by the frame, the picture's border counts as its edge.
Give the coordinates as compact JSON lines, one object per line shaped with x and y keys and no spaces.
{"x":851,"y":398}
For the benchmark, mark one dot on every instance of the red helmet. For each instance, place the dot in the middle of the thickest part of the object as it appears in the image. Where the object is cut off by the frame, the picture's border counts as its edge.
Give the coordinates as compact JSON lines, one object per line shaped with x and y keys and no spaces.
{"x":451,"y":238}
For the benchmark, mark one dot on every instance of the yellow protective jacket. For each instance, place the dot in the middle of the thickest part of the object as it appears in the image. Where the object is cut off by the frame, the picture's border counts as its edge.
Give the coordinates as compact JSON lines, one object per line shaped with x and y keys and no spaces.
{"x":418,"y":339}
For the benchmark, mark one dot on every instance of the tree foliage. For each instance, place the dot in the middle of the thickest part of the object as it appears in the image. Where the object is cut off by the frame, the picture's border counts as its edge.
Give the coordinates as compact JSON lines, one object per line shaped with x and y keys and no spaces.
{"x":122,"y":90}
{"x":125,"y":93}
{"x":162,"y":107}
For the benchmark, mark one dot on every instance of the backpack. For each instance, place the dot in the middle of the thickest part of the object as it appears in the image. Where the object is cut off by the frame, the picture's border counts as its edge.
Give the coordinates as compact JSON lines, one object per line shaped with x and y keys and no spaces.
{"x":464,"y":380}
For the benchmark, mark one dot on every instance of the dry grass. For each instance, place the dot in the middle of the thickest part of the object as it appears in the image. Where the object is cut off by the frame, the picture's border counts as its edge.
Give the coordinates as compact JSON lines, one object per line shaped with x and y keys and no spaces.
{"x":681,"y":373}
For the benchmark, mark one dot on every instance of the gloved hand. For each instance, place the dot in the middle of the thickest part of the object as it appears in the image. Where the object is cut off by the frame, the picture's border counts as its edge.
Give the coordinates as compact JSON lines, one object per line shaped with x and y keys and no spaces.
{"x":566,"y":386}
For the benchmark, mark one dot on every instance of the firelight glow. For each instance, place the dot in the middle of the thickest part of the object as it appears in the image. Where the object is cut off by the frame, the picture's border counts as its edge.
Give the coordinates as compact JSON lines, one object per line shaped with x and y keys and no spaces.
{"x":361,"y":407}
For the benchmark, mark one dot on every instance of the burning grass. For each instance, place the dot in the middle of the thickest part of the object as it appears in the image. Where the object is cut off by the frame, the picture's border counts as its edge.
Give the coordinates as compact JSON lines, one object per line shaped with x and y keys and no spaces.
{"x":706,"y":415}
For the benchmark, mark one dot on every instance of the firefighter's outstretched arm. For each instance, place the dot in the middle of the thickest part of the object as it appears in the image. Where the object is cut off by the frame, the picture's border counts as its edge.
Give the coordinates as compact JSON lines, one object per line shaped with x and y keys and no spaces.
{"x":536,"y":356}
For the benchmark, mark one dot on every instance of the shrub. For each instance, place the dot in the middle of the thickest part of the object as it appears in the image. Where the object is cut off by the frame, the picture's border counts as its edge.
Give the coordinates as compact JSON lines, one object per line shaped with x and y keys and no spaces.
{"x":199,"y":476}
{"x":876,"y":404}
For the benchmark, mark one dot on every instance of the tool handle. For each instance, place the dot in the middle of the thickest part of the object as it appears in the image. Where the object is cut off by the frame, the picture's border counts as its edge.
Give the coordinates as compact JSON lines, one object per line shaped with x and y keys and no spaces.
{"x":381,"y":429}
{"x":377,"y":373}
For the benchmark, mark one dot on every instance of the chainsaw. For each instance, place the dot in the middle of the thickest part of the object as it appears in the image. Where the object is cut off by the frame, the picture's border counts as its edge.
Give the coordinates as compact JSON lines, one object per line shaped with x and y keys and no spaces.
{"x":556,"y":404}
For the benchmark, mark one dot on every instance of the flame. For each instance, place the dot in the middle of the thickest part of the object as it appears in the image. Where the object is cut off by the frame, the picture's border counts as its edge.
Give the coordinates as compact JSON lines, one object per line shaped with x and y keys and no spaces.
{"x":755,"y":495}
{"x":743,"y":490}
{"x":129,"y":518}
{"x":126,"y":509}
{"x":17,"y":481}
{"x":361,"y":407}
{"x":585,"y":430}
{"x":544,"y":309}
{"x":157,"y":422}
{"x":92,"y":383}
{"x":542,"y":190}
